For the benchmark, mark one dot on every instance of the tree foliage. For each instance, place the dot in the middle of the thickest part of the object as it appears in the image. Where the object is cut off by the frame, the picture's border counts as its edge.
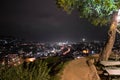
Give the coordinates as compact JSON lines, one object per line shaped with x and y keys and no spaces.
{"x":98,"y":12}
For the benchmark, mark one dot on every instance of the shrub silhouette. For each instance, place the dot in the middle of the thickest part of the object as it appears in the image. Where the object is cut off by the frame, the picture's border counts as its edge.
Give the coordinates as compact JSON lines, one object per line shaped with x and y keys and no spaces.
{"x":37,"y":70}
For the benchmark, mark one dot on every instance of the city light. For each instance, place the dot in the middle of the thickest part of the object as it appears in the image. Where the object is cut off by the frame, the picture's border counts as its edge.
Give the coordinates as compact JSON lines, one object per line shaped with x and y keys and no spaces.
{"x":30,"y":59}
{"x":86,"y":51}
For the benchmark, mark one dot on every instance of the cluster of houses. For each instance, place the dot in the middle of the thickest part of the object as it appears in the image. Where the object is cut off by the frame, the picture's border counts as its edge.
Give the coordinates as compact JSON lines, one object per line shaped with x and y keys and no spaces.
{"x":14,"y":52}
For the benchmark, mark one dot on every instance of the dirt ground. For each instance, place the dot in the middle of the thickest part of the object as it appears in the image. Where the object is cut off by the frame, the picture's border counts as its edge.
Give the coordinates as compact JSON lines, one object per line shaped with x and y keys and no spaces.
{"x":77,"y":69}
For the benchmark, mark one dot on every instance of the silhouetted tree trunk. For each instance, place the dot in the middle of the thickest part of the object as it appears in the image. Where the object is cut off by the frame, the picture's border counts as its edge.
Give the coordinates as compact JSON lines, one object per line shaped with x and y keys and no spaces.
{"x":111,"y":39}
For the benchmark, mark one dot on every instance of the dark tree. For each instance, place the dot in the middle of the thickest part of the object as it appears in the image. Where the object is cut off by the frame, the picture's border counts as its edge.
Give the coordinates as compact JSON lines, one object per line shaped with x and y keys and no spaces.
{"x":98,"y":12}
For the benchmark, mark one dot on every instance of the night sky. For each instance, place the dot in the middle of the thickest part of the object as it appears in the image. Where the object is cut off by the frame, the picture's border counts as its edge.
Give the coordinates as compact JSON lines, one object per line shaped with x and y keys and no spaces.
{"x":41,"y":20}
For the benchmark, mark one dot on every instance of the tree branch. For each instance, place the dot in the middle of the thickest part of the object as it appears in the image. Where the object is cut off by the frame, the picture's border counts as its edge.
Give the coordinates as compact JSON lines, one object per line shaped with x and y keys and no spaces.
{"x":109,"y":33}
{"x":118,"y":31}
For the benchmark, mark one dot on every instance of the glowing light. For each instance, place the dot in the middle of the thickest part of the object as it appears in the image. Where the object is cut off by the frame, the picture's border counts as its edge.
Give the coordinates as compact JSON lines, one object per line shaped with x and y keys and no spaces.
{"x":83,"y":39}
{"x":30,"y":59}
{"x":85,"y":51}
{"x":119,"y":12}
{"x":118,"y":17}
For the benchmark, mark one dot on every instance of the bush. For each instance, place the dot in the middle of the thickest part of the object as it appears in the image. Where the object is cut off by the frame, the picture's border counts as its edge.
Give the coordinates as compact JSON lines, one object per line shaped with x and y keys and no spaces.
{"x":56,"y":64}
{"x":37,"y":70}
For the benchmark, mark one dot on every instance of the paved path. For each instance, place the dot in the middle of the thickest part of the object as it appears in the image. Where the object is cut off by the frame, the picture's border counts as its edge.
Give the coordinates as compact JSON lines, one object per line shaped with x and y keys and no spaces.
{"x":77,"y":70}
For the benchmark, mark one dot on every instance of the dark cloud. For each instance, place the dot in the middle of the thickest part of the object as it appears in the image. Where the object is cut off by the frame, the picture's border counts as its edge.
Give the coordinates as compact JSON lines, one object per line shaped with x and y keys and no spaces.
{"x":41,"y":20}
